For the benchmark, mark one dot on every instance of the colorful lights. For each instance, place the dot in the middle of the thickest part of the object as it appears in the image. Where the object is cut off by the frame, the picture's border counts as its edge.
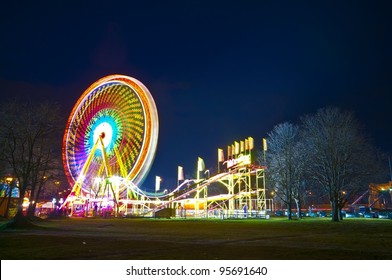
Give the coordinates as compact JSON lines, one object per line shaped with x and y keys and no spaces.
{"x":238,"y":153}
{"x":108,"y":148}
{"x":122,"y":111}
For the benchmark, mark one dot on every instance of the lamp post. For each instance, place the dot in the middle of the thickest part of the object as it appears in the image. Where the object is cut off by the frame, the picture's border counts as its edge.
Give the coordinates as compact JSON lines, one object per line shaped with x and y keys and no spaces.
{"x":54,"y":203}
{"x":273,"y":200}
{"x":207,"y":171}
{"x":157,"y":183}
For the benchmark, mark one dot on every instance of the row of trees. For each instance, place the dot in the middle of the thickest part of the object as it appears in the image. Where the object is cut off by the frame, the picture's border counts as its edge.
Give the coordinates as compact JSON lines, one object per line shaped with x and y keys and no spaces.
{"x":327,"y":153}
{"x":30,"y":150}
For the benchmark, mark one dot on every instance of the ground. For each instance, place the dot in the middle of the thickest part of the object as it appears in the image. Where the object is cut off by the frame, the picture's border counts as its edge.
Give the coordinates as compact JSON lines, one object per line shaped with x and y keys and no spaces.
{"x":274,"y":239}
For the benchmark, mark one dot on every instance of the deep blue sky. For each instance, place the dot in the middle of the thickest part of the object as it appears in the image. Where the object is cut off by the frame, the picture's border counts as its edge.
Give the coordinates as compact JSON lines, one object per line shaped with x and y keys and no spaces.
{"x":219,"y":71}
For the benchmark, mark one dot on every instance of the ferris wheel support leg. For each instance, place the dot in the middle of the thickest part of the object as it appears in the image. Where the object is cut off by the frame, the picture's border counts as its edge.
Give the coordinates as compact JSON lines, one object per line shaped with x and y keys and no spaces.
{"x":115,"y":200}
{"x":75,"y":192}
{"x":105,"y":158}
{"x":120,"y":163}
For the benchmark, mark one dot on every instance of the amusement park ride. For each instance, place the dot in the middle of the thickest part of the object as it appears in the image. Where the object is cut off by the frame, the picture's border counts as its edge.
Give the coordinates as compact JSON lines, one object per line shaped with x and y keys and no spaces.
{"x":108,"y":148}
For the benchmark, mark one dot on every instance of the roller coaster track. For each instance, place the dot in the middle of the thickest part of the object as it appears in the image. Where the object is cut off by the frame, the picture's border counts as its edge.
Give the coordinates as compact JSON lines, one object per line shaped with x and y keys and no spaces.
{"x":196,"y":186}
{"x":189,"y":187}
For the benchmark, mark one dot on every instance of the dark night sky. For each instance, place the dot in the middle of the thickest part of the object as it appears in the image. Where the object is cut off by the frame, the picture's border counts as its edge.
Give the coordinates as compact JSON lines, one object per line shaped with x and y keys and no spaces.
{"x":219,"y":71}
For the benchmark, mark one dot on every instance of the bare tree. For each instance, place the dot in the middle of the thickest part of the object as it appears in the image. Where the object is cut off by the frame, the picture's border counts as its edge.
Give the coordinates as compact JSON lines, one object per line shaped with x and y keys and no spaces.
{"x":299,"y":181}
{"x":29,"y":133}
{"x":337,"y":154}
{"x":284,"y":167}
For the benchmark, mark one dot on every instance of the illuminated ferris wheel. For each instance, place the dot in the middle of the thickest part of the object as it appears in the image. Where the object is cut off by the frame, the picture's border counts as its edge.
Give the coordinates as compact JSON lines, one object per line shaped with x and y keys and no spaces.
{"x":111,"y":131}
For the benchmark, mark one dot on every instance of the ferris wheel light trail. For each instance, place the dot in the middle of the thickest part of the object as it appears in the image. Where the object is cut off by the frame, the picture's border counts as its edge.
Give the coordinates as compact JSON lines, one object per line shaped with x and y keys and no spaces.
{"x":120,"y":112}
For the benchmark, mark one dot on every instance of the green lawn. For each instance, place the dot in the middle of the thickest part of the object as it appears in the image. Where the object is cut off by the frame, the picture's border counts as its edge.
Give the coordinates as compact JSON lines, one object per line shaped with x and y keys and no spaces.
{"x":274,"y":239}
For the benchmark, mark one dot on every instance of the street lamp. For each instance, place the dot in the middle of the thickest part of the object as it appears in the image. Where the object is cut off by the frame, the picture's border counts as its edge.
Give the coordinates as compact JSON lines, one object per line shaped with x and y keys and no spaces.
{"x":157,"y":183}
{"x":54,"y":202}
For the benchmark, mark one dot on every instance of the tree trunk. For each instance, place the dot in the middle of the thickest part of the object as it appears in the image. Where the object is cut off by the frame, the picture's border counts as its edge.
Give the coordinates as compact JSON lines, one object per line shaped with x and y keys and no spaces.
{"x":298,"y":203}
{"x":19,"y":212}
{"x":36,"y":197}
{"x":289,"y":213}
{"x":31,"y":210}
{"x":20,"y":221}
{"x":335,"y":211}
{"x":340,"y":213}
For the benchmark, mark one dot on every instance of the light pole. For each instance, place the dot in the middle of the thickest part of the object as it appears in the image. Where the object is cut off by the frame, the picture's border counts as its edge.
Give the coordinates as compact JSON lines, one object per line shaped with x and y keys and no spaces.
{"x":54,"y":203}
{"x":157,"y":183}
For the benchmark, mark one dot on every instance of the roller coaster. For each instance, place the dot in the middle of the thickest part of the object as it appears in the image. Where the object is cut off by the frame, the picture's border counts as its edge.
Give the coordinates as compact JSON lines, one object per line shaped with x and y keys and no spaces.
{"x":109,"y":145}
{"x":190,"y":199}
{"x":119,"y":197}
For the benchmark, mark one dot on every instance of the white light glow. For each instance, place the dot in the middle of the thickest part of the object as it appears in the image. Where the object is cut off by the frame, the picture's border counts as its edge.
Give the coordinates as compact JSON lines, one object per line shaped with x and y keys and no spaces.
{"x":105,"y":128}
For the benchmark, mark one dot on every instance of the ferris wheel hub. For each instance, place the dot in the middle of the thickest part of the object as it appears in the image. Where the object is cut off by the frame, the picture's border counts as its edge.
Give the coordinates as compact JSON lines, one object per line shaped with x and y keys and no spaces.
{"x":104,"y":131}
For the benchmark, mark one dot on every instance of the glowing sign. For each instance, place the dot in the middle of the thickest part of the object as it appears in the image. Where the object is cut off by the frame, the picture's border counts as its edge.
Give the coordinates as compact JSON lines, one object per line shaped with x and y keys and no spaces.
{"x":241,"y":160}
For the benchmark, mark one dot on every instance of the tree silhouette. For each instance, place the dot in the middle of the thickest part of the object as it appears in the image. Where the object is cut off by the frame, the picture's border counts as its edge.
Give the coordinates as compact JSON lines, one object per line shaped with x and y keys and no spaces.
{"x":338,"y":155}
{"x":285,"y":170}
{"x":30,"y":137}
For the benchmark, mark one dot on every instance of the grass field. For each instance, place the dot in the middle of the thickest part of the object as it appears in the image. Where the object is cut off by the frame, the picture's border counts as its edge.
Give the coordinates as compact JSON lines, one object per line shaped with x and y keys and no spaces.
{"x":274,"y":239}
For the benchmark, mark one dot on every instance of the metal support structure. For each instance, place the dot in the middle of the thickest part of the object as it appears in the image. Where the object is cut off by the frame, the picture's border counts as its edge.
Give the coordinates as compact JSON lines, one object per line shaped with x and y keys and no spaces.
{"x":104,"y":188}
{"x":261,"y":201}
{"x":243,"y":198}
